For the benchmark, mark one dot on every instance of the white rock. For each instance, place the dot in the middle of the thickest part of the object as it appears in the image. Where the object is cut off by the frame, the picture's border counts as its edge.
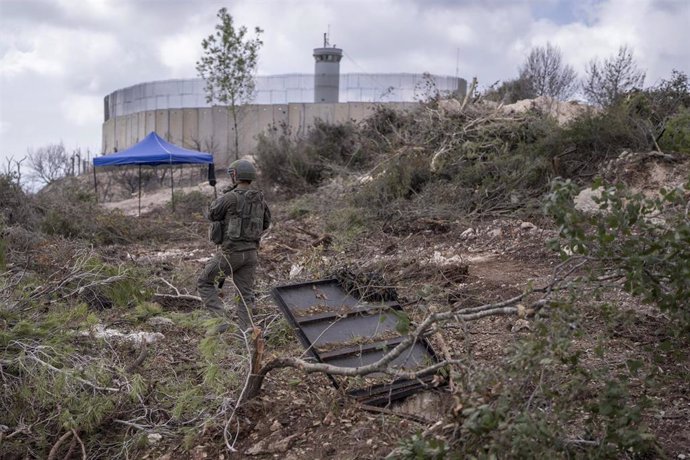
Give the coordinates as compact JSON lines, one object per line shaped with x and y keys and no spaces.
{"x":469,"y":233}
{"x":440,"y":259}
{"x":153,"y":438}
{"x":584,"y":201}
{"x":100,"y":332}
{"x":521,"y":324}
{"x":160,"y":321}
{"x":529,"y":226}
{"x":495,"y":233}
{"x":295,"y":271}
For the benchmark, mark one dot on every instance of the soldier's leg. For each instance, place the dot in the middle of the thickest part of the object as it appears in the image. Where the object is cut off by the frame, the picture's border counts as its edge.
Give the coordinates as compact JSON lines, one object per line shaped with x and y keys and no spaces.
{"x":243,"y":277}
{"x":215,"y":270}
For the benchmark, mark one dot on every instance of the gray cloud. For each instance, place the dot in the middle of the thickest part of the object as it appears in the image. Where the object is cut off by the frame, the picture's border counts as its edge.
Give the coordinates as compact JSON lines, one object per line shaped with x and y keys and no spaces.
{"x":59,"y":58}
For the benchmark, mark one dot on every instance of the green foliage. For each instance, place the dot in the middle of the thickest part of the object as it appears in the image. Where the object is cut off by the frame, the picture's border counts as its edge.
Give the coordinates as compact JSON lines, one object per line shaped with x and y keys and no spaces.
{"x":542,"y":400}
{"x":190,"y":204}
{"x":300,"y":207}
{"x":16,"y":207}
{"x":417,"y":447}
{"x":401,"y":178}
{"x":280,"y":334}
{"x":676,"y":135}
{"x":71,"y":212}
{"x":578,"y":149}
{"x":188,"y":403}
{"x":3,"y":249}
{"x":334,"y":144}
{"x":301,"y":163}
{"x":347,"y":223}
{"x":228,"y":65}
{"x":510,"y":91}
{"x":646,"y":240}
{"x":282,"y":162}
{"x":146,"y":310}
{"x":402,"y":324}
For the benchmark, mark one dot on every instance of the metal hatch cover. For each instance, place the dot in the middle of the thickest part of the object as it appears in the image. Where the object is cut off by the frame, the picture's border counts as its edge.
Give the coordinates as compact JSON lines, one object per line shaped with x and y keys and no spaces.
{"x":338,"y":329}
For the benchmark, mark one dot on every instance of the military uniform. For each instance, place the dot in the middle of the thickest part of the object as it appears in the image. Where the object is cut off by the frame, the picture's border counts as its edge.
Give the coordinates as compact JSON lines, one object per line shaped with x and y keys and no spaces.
{"x":245,"y":216}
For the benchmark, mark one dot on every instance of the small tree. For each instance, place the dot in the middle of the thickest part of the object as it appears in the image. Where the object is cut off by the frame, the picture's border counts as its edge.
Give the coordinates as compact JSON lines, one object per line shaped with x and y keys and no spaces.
{"x":228,"y":66}
{"x":547,"y":74}
{"x":510,"y":91}
{"x":607,"y":81}
{"x":49,"y":163}
{"x":13,"y":169}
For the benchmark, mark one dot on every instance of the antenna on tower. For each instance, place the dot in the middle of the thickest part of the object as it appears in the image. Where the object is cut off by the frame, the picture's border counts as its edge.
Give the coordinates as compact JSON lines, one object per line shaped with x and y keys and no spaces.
{"x":457,"y":63}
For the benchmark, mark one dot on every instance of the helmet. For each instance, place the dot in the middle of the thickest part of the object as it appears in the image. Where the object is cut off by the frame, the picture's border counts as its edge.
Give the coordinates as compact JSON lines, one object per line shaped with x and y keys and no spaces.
{"x":244,"y":169}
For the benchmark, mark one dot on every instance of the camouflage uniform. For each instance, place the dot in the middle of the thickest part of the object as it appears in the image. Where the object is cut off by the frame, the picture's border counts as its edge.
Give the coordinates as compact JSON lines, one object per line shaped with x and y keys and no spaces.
{"x":238,"y":255}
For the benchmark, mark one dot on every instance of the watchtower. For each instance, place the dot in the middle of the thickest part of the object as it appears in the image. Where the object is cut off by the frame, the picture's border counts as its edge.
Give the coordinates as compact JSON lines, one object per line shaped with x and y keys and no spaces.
{"x":327,"y":72}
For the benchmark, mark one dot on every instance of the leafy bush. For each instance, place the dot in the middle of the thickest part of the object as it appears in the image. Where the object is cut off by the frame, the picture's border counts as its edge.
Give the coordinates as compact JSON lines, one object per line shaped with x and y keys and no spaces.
{"x":17,"y":208}
{"x":543,"y":400}
{"x":192,"y":204}
{"x":644,"y":241}
{"x":401,"y":177}
{"x":676,"y":135}
{"x":418,"y":448}
{"x":282,"y":162}
{"x":510,"y":91}
{"x":304,"y":162}
{"x":578,"y":149}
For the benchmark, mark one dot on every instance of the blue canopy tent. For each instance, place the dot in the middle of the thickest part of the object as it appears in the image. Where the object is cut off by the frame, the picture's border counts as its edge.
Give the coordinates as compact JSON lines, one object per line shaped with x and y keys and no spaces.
{"x":154,"y":151}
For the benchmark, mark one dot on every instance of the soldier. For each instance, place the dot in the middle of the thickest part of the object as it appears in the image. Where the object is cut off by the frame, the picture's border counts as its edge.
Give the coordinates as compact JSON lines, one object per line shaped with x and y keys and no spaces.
{"x":244,"y":217}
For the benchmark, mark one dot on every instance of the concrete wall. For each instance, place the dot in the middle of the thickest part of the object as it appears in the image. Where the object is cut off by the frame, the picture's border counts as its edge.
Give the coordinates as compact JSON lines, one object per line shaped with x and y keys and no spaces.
{"x":285,"y":89}
{"x":212,"y":130}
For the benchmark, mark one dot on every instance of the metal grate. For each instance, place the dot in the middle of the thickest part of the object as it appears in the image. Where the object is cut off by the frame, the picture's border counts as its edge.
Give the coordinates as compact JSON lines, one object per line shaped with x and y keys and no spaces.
{"x":338,"y":329}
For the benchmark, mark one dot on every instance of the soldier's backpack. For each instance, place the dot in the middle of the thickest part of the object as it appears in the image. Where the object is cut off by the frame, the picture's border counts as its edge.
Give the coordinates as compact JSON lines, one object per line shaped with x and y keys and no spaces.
{"x":247,"y":223}
{"x":215,"y":232}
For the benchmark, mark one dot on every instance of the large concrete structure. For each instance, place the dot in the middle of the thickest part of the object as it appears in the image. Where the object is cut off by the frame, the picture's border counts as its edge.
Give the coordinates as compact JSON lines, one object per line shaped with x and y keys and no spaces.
{"x":177,"y":109}
{"x":327,"y":72}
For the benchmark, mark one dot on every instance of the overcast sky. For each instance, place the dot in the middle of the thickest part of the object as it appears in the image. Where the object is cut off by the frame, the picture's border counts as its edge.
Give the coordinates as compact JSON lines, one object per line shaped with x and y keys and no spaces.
{"x":59,"y":58}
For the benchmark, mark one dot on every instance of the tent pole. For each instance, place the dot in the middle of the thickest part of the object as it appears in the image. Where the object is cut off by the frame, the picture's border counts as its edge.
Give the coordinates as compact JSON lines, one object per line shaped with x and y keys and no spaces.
{"x":172,"y":187}
{"x":95,"y":184}
{"x":139,"y":190}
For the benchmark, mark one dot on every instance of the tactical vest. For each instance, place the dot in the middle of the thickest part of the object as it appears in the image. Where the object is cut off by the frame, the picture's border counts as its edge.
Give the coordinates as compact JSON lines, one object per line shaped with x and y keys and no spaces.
{"x":247,"y":223}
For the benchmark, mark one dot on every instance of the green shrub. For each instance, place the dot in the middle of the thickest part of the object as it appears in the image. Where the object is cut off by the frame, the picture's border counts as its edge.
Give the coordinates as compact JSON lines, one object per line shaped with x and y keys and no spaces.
{"x":417,"y":447}
{"x":281,"y":161}
{"x":401,"y":178}
{"x":646,"y":240}
{"x":17,"y":207}
{"x":578,"y":149}
{"x":302,"y":163}
{"x":346,"y":223}
{"x":334,"y":144}
{"x":676,"y":136}
{"x":191,"y":204}
{"x":543,"y":400}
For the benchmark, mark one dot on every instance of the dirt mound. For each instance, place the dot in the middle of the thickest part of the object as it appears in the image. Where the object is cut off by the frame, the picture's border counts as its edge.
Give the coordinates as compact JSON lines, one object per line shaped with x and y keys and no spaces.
{"x":563,"y":112}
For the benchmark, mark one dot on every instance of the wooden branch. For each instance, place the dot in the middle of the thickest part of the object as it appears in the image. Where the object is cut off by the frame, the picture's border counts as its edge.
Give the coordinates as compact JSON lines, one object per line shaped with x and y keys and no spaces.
{"x":83,"y":448}
{"x":188,"y":297}
{"x":140,"y":358}
{"x":257,"y":349}
{"x":78,"y":379}
{"x":54,"y":450}
{"x":447,"y":356}
{"x":109,"y":280}
{"x":312,"y":234}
